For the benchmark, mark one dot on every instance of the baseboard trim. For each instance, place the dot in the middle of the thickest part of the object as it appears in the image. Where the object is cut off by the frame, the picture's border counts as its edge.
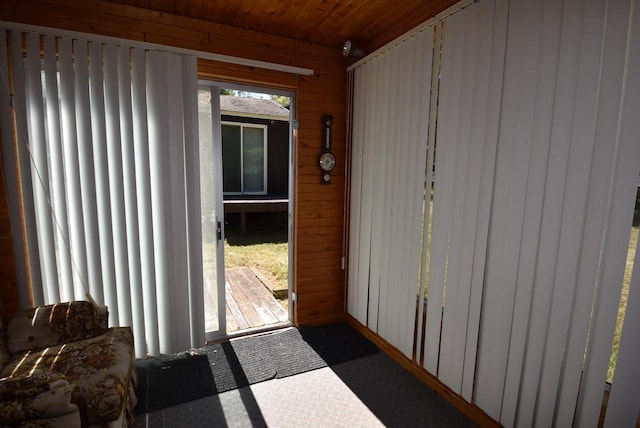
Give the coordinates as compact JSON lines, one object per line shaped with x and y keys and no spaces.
{"x":472,"y":411}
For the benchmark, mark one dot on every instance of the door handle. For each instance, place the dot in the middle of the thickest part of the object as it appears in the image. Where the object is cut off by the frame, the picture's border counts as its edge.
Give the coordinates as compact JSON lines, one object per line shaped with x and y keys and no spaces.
{"x":219,"y":231}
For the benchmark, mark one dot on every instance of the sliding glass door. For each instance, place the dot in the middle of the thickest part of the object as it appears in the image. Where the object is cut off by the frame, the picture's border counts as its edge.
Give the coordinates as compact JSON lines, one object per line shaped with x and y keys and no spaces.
{"x":212,"y":210}
{"x":245,"y":166}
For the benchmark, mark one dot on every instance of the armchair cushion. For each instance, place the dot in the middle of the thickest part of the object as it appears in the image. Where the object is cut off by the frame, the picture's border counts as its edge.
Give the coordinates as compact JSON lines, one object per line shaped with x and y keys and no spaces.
{"x":99,"y":367}
{"x":40,"y":395}
{"x":53,"y":325}
{"x":65,"y":367}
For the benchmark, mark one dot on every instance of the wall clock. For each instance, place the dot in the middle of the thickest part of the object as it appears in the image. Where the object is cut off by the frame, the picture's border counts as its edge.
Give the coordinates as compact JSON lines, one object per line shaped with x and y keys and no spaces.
{"x":327,"y":160}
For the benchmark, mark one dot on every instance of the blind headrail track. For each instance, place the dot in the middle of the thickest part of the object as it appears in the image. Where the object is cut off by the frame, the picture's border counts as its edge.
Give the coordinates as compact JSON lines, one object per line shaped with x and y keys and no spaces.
{"x":154,"y":46}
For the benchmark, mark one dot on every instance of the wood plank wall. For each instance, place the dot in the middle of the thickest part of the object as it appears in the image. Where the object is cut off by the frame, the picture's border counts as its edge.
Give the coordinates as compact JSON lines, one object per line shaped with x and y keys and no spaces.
{"x":9,"y":301}
{"x":318,"y":277}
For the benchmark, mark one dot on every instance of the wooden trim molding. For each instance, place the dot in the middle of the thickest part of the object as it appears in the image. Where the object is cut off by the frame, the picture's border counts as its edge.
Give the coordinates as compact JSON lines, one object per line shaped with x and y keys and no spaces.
{"x":472,"y":411}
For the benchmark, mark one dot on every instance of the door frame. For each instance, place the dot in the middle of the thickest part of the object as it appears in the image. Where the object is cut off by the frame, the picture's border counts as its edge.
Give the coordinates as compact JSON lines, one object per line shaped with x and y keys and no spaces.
{"x":219,"y":203}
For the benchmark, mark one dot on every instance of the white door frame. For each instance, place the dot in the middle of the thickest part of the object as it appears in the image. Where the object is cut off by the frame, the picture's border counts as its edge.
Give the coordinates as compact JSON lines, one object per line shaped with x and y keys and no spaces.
{"x":219,"y":203}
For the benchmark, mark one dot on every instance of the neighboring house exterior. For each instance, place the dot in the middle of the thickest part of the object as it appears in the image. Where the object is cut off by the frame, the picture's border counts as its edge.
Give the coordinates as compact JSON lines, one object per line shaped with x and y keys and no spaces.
{"x":255,"y":154}
{"x":255,"y":148}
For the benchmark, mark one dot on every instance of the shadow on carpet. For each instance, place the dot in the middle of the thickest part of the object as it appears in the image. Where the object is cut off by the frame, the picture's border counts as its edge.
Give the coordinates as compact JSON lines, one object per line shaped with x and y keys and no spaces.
{"x":173,"y":379}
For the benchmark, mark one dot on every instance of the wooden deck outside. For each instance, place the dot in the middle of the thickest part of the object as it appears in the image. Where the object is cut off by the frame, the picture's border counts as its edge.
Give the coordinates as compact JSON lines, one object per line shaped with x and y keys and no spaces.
{"x":249,"y":302}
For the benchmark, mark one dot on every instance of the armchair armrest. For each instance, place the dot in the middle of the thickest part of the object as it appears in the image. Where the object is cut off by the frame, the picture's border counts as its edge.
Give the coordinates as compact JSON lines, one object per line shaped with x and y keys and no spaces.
{"x":52,"y":325}
{"x":42,"y":395}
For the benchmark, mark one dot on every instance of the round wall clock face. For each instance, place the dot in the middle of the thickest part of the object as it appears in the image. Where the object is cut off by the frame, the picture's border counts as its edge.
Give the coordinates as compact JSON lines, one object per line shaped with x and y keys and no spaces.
{"x":327,"y":161}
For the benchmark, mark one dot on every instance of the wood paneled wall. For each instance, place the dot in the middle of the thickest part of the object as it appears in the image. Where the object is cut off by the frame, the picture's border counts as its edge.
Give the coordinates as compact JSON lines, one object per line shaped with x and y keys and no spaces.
{"x":318,"y":277}
{"x":9,"y":301}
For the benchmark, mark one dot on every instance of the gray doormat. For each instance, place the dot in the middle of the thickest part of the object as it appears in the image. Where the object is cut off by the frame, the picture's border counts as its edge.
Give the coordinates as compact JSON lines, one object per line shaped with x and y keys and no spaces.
{"x":173,"y":379}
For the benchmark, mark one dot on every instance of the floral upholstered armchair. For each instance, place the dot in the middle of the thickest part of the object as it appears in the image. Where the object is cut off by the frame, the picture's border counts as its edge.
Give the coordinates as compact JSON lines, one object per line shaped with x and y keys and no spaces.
{"x":60,"y":366}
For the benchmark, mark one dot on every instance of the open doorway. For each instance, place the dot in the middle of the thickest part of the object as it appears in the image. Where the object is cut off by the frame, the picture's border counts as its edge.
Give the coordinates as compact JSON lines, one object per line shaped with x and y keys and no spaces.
{"x":246,"y":169}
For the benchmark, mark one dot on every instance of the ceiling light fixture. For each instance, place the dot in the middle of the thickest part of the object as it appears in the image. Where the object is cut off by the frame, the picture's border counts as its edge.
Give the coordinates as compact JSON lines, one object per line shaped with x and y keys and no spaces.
{"x":350,"y":49}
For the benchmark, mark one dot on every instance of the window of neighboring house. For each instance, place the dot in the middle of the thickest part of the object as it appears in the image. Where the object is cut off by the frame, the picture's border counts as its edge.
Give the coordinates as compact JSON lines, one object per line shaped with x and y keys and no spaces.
{"x":244,"y":158}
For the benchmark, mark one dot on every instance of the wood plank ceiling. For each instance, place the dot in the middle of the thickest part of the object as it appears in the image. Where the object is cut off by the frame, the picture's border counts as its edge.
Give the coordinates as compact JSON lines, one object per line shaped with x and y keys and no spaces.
{"x":369,"y":23}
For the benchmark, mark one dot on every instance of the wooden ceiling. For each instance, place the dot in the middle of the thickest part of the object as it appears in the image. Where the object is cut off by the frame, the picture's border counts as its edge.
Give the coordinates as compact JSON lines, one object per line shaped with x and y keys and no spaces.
{"x":369,"y":23}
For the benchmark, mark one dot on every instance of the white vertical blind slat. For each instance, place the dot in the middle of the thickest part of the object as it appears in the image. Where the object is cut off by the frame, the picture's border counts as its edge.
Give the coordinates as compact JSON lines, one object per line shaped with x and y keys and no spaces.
{"x":142,"y":170}
{"x":456,"y":303}
{"x":538,"y":245}
{"x":435,"y":82}
{"x":389,"y":296}
{"x":623,"y":407}
{"x":421,"y":79}
{"x":612,"y":240}
{"x":396,"y":147}
{"x":433,"y":68}
{"x":473,"y":121}
{"x":558,"y":193}
{"x":405,"y":262}
{"x":355,"y":297}
{"x":54,"y":134}
{"x":194,"y":224}
{"x":40,"y":172}
{"x":116,"y":186}
{"x":87,"y":170}
{"x":439,"y":239}
{"x":365,"y":210}
{"x":383,"y":129}
{"x":489,"y":138}
{"x":419,"y":112}
{"x":157,"y":110}
{"x":77,"y":248}
{"x":508,"y":210}
{"x":128,"y":288}
{"x":397,"y":238}
{"x":385,"y":151}
{"x":133,"y":287}
{"x":101,"y":167}
{"x":375,"y":91}
{"x":447,"y":175}
{"x":428,"y":105}
{"x":624,"y":180}
{"x":363,"y":236}
{"x":583,"y":154}
{"x":383,"y":110}
{"x":177,"y":207}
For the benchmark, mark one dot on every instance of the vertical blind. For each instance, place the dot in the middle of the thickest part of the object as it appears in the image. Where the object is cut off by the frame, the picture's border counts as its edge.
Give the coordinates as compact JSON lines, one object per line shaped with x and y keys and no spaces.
{"x":388,"y":188}
{"x":491,"y":214}
{"x":107,"y":149}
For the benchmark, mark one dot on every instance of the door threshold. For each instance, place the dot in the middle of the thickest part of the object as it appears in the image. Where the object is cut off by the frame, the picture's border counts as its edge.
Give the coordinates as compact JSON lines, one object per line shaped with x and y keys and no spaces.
{"x":250,"y":331}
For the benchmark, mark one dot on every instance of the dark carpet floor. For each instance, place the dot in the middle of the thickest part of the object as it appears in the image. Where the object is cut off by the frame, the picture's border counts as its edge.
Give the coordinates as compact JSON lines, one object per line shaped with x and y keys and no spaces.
{"x":369,"y":392}
{"x":173,"y":379}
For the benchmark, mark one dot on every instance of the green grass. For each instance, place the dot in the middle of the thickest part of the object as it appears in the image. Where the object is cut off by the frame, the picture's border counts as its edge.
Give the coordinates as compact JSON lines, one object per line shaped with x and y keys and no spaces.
{"x":427,"y":265}
{"x":633,"y":243}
